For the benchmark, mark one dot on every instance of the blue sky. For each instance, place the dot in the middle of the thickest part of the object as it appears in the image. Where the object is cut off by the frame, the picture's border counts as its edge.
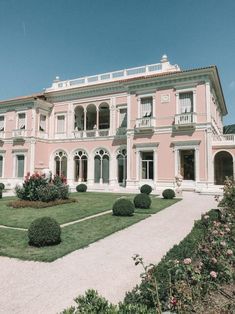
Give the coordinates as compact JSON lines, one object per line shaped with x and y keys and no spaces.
{"x":72,"y":38}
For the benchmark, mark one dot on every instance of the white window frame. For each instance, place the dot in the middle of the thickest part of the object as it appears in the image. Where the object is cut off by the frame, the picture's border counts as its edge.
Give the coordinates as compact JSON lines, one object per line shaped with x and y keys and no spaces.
{"x":142,"y":96}
{"x":119,"y":115}
{"x":185,"y":90}
{"x":2,"y":154}
{"x":59,"y":114}
{"x":17,"y":120}
{"x":4,"y":122}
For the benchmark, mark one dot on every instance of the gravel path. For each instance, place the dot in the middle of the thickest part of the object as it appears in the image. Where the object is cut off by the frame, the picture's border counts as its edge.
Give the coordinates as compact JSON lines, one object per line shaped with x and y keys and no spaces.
{"x":35,"y":287}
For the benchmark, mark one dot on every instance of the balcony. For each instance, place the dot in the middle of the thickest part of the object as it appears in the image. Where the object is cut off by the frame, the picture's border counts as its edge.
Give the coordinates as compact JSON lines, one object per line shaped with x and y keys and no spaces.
{"x":145,"y":124}
{"x":19,"y":133}
{"x":185,"y":120}
{"x":223,"y":140}
{"x":91,"y":133}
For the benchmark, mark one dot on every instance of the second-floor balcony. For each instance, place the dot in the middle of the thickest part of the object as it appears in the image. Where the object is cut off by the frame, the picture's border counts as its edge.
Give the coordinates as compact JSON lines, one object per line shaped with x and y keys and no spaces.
{"x":91,"y":133}
{"x":223,"y":140}
{"x":185,"y":120}
{"x":145,"y":124}
{"x":20,"y":133}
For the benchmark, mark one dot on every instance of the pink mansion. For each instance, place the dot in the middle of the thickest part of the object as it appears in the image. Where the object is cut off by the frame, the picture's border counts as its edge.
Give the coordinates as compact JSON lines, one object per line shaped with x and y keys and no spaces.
{"x":116,"y":131}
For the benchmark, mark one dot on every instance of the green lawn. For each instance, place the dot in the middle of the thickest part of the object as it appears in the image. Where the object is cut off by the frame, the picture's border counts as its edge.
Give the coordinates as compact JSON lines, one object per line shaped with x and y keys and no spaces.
{"x":88,"y":204}
{"x":14,"y":243}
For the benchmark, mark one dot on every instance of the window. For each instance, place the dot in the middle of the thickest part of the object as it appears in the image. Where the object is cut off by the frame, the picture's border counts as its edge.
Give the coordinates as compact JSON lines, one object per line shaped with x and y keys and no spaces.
{"x":21,"y":121}
{"x":20,"y":166}
{"x":60,"y":124}
{"x":146,"y":105}
{"x":1,"y":166}
{"x":80,"y":166}
{"x":1,"y":123}
{"x":147,"y":165}
{"x":61,"y":163}
{"x":101,"y":166}
{"x":42,"y":123}
{"x":122,"y":166}
{"x":123,"y":118}
{"x":186,"y":102}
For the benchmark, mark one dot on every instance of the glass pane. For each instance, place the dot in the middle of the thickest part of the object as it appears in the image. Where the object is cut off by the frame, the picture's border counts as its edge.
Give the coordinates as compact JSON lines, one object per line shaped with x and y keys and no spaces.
{"x":76,"y":168}
{"x":144,"y":169}
{"x":105,"y":169}
{"x":64,"y":166}
{"x":20,"y":166}
{"x":97,"y":169}
{"x":1,"y":165}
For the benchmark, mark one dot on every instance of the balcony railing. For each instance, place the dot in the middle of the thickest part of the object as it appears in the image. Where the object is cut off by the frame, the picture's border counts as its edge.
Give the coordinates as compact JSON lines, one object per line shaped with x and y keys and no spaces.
{"x":145,"y":123}
{"x":2,"y":134}
{"x":91,"y":133}
{"x":185,"y":119}
{"x":19,"y":133}
{"x":224,"y":139}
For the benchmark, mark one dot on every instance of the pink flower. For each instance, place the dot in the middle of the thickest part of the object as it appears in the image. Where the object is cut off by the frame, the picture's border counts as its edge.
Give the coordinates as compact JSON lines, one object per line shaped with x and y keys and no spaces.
{"x":215,"y":232}
{"x":221,"y":233}
{"x":223,"y":243}
{"x":213,"y":274}
{"x":206,"y":217}
{"x":187,"y":261}
{"x":229,"y":252}
{"x":214,"y":260}
{"x":227,"y":229}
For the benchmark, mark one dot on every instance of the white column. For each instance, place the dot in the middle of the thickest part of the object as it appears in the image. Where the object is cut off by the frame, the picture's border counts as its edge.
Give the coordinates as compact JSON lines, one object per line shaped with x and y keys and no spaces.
{"x":70,"y":169}
{"x":113,"y":171}
{"x":210,"y":164}
{"x":32,"y":156}
{"x":85,"y":119}
{"x":208,"y":105}
{"x":128,"y":112}
{"x":155,"y":165}
{"x":128,"y":148}
{"x":90,"y":170}
{"x":70,"y":120}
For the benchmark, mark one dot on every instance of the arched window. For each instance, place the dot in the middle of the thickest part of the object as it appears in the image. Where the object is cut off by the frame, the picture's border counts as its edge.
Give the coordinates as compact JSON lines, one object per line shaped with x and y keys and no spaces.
{"x":122,"y":166}
{"x":223,"y":167}
{"x":61,"y":163}
{"x":104,"y":116}
{"x":80,"y":166}
{"x":101,"y":166}
{"x":79,"y":118}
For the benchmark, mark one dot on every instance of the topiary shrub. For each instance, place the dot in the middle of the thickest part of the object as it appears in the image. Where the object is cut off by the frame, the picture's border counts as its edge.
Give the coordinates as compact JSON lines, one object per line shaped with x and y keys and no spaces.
{"x":81,"y":187}
{"x":47,"y":193}
{"x":142,"y":201}
{"x":123,"y":207}
{"x":0,"y":193}
{"x":168,"y":194}
{"x":44,"y":231}
{"x":2,"y":186}
{"x":146,"y":189}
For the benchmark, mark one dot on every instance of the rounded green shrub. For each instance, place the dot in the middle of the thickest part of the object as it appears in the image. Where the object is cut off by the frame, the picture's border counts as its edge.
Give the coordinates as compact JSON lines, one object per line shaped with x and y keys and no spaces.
{"x":142,"y":201}
{"x":81,"y":187}
{"x":123,"y":207}
{"x":2,"y":186}
{"x":44,"y":231}
{"x":168,"y":194}
{"x":146,"y":189}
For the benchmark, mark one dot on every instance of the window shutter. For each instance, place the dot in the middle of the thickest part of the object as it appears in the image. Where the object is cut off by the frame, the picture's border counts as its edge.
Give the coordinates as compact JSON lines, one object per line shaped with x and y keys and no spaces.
{"x":186,"y":102}
{"x":1,"y":123}
{"x":21,"y":121}
{"x":146,"y":107}
{"x":60,"y":124}
{"x":42,"y":125}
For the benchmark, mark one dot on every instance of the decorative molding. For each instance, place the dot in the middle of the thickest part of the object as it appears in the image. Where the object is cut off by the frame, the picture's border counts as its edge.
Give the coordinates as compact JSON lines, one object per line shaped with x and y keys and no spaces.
{"x":165,"y":98}
{"x":186,"y":143}
{"x":144,"y":145}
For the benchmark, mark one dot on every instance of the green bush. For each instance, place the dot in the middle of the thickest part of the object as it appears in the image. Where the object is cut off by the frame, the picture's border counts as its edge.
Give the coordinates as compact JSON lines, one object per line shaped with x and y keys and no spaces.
{"x":142,"y":201}
{"x":146,"y":189}
{"x":63,"y":192}
{"x":30,"y":186}
{"x":2,"y":186}
{"x":44,"y":231}
{"x":123,"y":207}
{"x":0,"y":193}
{"x":81,"y":187}
{"x":47,"y":193}
{"x":168,"y":194}
{"x":59,"y":180}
